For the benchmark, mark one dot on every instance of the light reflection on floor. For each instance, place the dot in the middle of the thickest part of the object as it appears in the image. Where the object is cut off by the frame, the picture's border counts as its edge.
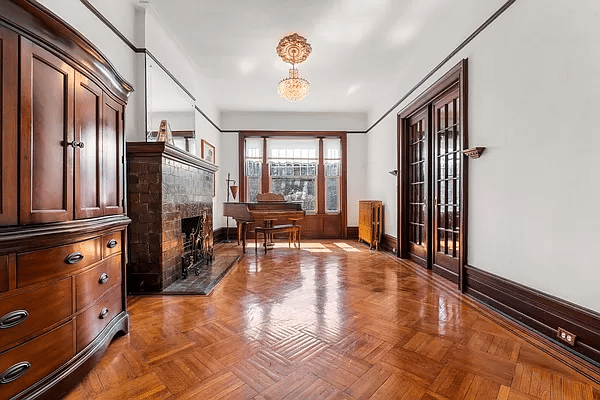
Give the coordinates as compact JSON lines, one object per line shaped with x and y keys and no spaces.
{"x":346,"y":247}
{"x":315,"y":247}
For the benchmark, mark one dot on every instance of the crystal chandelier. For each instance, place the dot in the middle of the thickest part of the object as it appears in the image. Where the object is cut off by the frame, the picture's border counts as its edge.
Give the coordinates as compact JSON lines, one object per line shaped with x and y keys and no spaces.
{"x":293,"y":88}
{"x":293,"y":49}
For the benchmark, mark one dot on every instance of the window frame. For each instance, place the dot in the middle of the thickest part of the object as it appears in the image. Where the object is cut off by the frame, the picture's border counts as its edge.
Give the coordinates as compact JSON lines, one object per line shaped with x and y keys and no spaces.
{"x":321,"y":178}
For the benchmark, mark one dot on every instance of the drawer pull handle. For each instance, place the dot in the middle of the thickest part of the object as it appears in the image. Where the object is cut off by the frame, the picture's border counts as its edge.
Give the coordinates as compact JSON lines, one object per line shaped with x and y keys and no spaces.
{"x":103,"y":313}
{"x":112,"y":243}
{"x":103,"y":278}
{"x":74,"y":258}
{"x":13,"y":318}
{"x":14,"y":372}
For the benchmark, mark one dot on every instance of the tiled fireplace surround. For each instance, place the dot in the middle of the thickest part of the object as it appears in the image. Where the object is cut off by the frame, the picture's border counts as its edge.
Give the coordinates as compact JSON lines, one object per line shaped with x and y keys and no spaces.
{"x":164,"y":185}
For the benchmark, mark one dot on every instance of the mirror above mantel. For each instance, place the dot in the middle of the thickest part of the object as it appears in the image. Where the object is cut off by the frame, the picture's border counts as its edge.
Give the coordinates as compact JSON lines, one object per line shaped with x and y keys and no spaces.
{"x":166,"y":100}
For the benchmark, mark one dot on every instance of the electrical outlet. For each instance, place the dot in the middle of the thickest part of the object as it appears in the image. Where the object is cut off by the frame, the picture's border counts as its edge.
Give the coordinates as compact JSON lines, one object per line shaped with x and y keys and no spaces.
{"x":566,"y":336}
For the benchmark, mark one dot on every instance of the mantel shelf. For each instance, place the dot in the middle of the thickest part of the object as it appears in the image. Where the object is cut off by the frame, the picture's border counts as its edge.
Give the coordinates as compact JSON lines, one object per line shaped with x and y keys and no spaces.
{"x":152,"y":149}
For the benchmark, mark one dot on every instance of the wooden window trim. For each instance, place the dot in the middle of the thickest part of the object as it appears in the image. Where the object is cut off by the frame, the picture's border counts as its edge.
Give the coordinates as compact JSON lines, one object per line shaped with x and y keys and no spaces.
{"x":308,"y":134}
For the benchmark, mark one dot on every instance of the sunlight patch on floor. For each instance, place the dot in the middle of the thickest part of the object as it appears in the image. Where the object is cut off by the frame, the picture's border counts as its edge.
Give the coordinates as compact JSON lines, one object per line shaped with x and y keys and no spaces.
{"x":346,"y":247}
{"x":314,"y":248}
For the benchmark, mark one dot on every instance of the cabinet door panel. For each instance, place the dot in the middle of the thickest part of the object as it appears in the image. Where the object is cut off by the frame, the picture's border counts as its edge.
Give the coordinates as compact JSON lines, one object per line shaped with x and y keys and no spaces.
{"x":88,"y":133}
{"x":47,"y":90}
{"x":112,"y":156}
{"x":9,"y":74}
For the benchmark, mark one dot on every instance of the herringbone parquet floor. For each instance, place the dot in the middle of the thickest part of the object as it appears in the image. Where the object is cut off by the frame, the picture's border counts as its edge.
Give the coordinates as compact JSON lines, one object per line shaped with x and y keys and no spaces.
{"x":330,"y":323}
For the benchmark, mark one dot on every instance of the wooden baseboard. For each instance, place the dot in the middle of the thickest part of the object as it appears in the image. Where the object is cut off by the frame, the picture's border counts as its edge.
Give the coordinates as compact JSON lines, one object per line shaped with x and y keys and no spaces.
{"x":389,"y":243}
{"x":539,"y":311}
{"x":220,"y":234}
{"x":352,"y":232}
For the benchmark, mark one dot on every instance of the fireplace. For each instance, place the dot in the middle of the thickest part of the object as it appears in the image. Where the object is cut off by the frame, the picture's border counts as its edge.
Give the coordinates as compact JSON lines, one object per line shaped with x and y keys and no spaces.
{"x":197,"y":244}
{"x":168,"y":190}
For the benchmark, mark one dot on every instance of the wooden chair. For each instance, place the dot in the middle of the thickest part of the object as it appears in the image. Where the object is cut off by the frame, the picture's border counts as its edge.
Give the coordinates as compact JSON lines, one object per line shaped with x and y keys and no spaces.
{"x":268,"y":230}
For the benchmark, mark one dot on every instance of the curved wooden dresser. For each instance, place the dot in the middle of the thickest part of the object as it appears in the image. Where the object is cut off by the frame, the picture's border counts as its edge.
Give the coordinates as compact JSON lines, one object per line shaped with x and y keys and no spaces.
{"x":62,"y":210}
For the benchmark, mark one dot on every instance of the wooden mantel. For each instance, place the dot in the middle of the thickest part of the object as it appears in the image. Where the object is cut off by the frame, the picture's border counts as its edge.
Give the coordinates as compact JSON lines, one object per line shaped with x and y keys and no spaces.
{"x":152,"y":149}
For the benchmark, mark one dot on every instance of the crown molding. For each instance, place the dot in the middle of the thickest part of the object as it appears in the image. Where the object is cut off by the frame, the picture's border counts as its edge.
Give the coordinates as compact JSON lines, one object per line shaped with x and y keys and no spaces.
{"x":465,"y":42}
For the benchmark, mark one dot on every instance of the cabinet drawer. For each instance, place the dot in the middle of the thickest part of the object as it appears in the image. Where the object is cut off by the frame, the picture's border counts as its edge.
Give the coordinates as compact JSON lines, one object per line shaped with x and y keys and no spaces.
{"x":43,"y":265}
{"x":91,"y":322}
{"x":26,"y":313}
{"x":93,"y":283}
{"x":26,"y":364}
{"x":111,"y":244}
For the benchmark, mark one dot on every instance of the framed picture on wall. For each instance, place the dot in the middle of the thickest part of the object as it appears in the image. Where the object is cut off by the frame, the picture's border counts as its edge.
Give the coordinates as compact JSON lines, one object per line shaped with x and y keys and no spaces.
{"x":208,"y":152}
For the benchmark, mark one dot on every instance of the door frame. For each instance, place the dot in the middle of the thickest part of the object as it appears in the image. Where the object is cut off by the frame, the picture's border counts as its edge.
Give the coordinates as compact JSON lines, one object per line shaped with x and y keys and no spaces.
{"x":456,"y":75}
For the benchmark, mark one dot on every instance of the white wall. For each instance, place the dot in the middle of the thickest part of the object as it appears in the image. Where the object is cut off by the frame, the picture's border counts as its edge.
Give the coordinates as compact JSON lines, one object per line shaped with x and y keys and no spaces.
{"x":227,"y":158}
{"x":357,"y":174}
{"x":293,"y":121}
{"x":178,"y":120}
{"x":533,"y":96}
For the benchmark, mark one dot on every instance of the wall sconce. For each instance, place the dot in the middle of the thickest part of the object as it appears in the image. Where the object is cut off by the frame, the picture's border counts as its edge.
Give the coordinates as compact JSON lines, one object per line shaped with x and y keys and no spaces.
{"x":474,"y":152}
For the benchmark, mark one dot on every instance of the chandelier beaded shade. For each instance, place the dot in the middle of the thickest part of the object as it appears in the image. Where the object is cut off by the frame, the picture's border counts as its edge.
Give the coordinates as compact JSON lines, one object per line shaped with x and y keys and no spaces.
{"x":293,"y":49}
{"x":293,"y":88}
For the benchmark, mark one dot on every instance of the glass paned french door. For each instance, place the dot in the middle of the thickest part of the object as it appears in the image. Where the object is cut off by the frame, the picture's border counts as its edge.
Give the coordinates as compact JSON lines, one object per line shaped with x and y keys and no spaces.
{"x":417,"y":156}
{"x":446,"y":220}
{"x":432,"y":133}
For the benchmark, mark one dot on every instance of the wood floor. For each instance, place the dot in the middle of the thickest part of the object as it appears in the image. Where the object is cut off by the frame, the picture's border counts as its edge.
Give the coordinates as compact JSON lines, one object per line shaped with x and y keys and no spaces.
{"x":330,"y":323}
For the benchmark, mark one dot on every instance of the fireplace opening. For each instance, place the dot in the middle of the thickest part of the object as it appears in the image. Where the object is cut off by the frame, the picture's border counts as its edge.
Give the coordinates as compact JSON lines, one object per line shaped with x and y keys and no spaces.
{"x":197,"y":244}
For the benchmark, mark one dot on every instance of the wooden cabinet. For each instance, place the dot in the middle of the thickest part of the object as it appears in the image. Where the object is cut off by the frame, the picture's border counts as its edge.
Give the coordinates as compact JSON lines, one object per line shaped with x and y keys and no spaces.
{"x":88,"y":152}
{"x":62,"y":226}
{"x":8,"y":125}
{"x":46,"y":168}
{"x":72,"y":133}
{"x":112,"y":156}
{"x":370,"y":217}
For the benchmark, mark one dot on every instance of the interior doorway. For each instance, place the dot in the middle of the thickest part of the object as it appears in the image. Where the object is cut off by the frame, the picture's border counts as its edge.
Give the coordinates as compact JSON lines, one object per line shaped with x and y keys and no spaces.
{"x":432,"y":132}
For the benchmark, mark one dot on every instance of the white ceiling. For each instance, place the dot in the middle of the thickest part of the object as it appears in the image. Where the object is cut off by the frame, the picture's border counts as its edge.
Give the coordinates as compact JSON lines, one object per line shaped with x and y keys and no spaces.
{"x":358,"y":45}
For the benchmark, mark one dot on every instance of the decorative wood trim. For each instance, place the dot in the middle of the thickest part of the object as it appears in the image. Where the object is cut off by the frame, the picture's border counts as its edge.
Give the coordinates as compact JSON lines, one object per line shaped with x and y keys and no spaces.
{"x":463,"y":82}
{"x":321,"y":180}
{"x":539,"y":311}
{"x":474,"y":152}
{"x":241,"y":168}
{"x":352,"y":232}
{"x":267,"y":134}
{"x":185,"y":134}
{"x":15,"y":239}
{"x":220,"y":234}
{"x":389,"y":243}
{"x":344,"y":185}
{"x":152,"y":149}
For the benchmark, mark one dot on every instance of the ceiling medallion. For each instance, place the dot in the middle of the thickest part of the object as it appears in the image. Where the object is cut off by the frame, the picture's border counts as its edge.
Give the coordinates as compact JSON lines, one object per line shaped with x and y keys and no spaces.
{"x":293,"y":49}
{"x":293,"y":88}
